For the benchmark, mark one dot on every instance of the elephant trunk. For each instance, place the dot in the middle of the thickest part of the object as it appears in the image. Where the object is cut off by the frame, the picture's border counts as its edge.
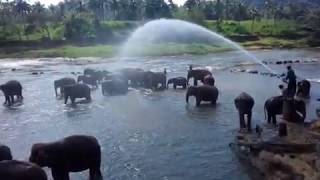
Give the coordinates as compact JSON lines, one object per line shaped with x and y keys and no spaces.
{"x":187,"y":97}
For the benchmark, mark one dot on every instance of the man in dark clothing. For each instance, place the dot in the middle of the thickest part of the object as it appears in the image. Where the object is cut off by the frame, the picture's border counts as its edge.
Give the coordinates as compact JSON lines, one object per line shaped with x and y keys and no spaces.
{"x":292,"y":83}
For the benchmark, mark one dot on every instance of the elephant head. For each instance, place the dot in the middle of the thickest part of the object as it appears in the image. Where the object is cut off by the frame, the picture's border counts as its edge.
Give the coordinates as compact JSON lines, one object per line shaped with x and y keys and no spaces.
{"x":170,"y":81}
{"x":209,"y":80}
{"x":304,"y":88}
{"x":192,"y":91}
{"x":40,"y":155}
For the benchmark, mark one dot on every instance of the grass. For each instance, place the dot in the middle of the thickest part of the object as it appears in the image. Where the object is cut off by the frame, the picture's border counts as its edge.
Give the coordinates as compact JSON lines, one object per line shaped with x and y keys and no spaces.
{"x":260,"y":28}
{"x":109,"y":51}
{"x":271,"y":42}
{"x":65,"y":51}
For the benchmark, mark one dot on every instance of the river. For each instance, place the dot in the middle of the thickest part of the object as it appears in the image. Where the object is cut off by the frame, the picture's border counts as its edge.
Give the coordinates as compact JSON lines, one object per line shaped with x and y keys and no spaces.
{"x":144,"y":134}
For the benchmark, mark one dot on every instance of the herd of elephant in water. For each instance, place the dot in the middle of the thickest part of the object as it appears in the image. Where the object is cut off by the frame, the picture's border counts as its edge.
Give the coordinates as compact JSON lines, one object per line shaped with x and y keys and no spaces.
{"x":81,"y":152}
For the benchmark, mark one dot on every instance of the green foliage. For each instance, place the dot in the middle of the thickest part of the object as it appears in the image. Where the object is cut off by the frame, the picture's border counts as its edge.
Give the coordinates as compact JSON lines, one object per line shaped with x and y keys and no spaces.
{"x":79,"y":27}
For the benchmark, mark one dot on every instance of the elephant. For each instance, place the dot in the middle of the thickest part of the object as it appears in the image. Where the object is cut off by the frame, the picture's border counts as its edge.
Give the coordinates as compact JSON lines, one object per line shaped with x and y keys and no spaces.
{"x":60,"y":83}
{"x":134,"y":76}
{"x":274,"y":105}
{"x":153,"y":79}
{"x":203,"y":93}
{"x":71,"y":154}
{"x":10,"y":89}
{"x":90,"y":80}
{"x":5,"y":153}
{"x":209,"y":80}
{"x":178,"y":81}
{"x":197,"y":74}
{"x":20,"y":170}
{"x":244,"y":104}
{"x":76,"y":91}
{"x":114,"y":86}
{"x":304,"y":87}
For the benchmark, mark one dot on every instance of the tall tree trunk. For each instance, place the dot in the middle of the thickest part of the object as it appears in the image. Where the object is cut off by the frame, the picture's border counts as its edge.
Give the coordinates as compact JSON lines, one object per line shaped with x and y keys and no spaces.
{"x":252,"y":25}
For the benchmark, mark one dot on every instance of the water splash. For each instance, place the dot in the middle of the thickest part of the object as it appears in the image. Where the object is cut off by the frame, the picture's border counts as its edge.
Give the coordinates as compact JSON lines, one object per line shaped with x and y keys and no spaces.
{"x":178,"y":31}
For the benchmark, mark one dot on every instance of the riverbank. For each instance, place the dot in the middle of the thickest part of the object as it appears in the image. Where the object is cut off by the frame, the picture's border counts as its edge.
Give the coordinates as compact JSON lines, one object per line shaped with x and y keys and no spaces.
{"x":107,"y":50}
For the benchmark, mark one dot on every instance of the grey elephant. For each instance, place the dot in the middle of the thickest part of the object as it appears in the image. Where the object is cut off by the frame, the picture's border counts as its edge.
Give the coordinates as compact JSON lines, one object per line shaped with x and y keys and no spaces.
{"x":10,"y":89}
{"x":71,"y":154}
{"x":274,"y":106}
{"x":134,"y":76}
{"x":203,"y":93}
{"x":60,"y":83}
{"x":19,"y":170}
{"x":5,"y":153}
{"x":178,"y":81}
{"x":244,"y":104}
{"x":114,"y":87}
{"x":153,"y":79}
{"x":76,"y":91}
{"x":197,"y":75}
{"x":304,"y":87}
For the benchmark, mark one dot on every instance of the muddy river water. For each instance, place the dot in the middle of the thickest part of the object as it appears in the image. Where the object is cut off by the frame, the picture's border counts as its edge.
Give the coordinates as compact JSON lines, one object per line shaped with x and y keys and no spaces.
{"x":144,"y":134}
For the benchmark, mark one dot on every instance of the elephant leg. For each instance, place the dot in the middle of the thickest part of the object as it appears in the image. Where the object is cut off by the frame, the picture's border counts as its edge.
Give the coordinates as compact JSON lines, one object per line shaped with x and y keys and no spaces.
{"x":95,"y":174}
{"x":198,"y":101}
{"x":88,"y":97}
{"x":249,"y":116}
{"x":58,"y":174}
{"x":12,"y":99}
{"x":174,"y":86}
{"x":195,"y":82}
{"x":72,"y":99}
{"x":274,"y":119}
{"x":269,"y":117}
{"x":66,"y":99}
{"x":184,"y":86}
{"x":241,"y":119}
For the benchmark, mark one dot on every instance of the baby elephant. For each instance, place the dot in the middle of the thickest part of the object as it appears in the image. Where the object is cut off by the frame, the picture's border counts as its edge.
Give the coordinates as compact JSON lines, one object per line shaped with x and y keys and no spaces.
{"x":76,"y":91}
{"x":5,"y":153}
{"x":60,"y":83}
{"x":19,"y":170}
{"x":244,"y":104}
{"x":71,"y":154}
{"x":178,"y":81}
{"x":10,"y":89}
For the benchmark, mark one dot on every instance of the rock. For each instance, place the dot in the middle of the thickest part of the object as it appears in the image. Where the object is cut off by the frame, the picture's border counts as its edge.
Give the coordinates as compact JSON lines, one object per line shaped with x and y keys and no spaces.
{"x":34,"y":73}
{"x":13,"y":69}
{"x":41,"y":72}
{"x":297,"y":61}
{"x":290,"y":62}
{"x":252,"y":71}
{"x":279,"y":62}
{"x":285,"y":62}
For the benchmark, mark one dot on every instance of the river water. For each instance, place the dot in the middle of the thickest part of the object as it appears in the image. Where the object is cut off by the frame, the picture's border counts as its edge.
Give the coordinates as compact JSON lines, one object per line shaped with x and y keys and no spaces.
{"x":144,"y":134}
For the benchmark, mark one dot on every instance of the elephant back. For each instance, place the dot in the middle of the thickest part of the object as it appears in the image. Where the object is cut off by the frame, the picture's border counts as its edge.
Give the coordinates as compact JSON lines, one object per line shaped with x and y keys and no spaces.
{"x":244,"y":102}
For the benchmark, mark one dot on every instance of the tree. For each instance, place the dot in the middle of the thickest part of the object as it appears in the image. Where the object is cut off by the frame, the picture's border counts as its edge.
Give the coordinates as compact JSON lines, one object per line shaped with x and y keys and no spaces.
{"x":253,"y":14}
{"x":156,"y":9}
{"x":219,"y":12}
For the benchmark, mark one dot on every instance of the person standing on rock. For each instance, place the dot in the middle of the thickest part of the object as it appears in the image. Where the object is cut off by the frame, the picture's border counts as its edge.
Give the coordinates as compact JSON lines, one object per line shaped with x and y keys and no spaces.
{"x":292,"y":82}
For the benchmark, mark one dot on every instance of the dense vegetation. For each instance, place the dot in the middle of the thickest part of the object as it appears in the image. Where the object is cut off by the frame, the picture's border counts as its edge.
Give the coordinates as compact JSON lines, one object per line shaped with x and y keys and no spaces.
{"x":275,"y":23}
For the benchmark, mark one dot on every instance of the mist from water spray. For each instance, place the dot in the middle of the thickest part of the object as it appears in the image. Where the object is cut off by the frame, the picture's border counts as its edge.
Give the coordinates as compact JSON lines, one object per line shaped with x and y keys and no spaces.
{"x":172,"y":30}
